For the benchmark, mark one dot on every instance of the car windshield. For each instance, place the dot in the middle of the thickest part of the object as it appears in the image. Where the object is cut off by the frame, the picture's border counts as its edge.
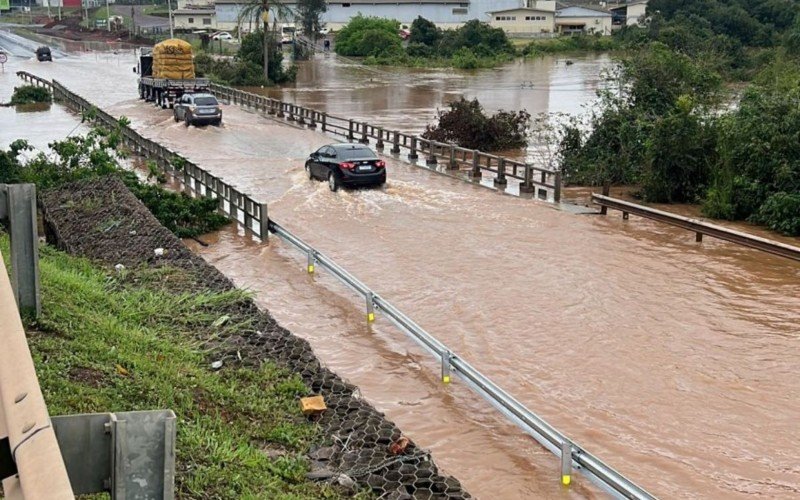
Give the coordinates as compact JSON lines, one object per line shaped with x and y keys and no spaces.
{"x":353,"y":153}
{"x":205,"y":101}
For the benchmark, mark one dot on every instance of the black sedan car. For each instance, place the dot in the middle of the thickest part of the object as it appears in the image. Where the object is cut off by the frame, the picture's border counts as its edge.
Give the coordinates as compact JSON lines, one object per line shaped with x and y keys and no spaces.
{"x":43,"y":54}
{"x":347,"y":165}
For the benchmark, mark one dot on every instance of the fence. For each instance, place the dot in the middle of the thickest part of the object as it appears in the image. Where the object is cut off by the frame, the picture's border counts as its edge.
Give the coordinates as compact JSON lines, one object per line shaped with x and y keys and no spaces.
{"x":698,"y":227}
{"x":202,"y":183}
{"x":534,"y":180}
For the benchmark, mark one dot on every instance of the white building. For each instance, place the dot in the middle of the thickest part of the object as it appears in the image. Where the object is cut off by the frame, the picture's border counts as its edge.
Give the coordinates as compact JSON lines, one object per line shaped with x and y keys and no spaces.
{"x":194,"y":19}
{"x":634,"y":11}
{"x":524,"y":21}
{"x":574,"y":20}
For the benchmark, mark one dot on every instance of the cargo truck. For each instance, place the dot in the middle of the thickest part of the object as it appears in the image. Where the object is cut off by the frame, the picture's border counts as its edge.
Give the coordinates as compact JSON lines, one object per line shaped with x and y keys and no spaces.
{"x":166,"y":72}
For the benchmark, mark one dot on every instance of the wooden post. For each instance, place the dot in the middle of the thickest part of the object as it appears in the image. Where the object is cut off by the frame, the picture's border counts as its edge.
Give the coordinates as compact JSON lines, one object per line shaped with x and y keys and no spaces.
{"x":263,"y":223}
{"x":350,"y":125}
{"x":395,"y":142}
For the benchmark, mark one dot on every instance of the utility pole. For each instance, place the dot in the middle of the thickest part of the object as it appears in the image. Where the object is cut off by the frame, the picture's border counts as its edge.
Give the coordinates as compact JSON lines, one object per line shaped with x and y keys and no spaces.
{"x":48,"y":9}
{"x":108,"y":17}
{"x":133,"y":23}
{"x":169,"y":6}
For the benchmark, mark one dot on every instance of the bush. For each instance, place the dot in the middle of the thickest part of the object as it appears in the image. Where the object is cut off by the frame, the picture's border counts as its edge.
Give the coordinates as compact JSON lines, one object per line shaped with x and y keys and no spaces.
{"x":466,"y":124}
{"x":94,"y":155}
{"x":464,"y":58}
{"x":29,"y":94}
{"x":369,"y":36}
{"x":781,"y":212}
{"x":477,"y":36}
{"x":424,"y":32}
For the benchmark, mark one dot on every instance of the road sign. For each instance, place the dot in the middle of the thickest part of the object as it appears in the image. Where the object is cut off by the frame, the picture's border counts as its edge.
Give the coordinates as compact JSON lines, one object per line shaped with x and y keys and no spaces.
{"x":3,"y":58}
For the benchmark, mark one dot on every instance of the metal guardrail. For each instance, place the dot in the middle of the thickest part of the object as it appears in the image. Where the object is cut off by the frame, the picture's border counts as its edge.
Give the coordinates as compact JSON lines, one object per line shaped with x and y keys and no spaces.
{"x":202,"y":183}
{"x":232,"y":203}
{"x":700,"y":228}
{"x":533,"y":180}
{"x":572,"y":455}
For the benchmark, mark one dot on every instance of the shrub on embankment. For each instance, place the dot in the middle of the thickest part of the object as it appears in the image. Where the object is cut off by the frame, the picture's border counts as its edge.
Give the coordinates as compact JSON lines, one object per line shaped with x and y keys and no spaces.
{"x":466,"y":124}
{"x":96,"y":154}
{"x":30,"y":94}
{"x":139,"y":340}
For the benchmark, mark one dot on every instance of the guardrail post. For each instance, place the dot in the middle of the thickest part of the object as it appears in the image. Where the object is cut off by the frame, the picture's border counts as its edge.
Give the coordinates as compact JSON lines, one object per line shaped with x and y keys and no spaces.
{"x":312,"y":260}
{"x":280,"y":113}
{"x":301,"y":115}
{"x":312,"y":123}
{"x":566,"y":463}
{"x":324,"y":122}
{"x":476,"y":164}
{"x":698,"y":237}
{"x":606,"y":190}
{"x":350,"y":125}
{"x":20,"y":209}
{"x":557,"y":187}
{"x":248,"y":218}
{"x":379,"y":144}
{"x":431,"y":158}
{"x":292,"y":110}
{"x":625,"y":215}
{"x":234,"y":205}
{"x":364,"y":138}
{"x":453,"y":163}
{"x":412,"y":153}
{"x":395,"y":142}
{"x":370,"y":307}
{"x":263,"y":227}
{"x":271,"y":110}
{"x":446,"y":356}
{"x":500,"y":180}
{"x":527,"y":184}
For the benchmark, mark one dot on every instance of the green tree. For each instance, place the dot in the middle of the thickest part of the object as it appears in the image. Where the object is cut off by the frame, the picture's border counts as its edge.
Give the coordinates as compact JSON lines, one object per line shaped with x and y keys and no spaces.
{"x":369,"y":36}
{"x":310,"y":14}
{"x":262,"y":10}
{"x":425,"y":32}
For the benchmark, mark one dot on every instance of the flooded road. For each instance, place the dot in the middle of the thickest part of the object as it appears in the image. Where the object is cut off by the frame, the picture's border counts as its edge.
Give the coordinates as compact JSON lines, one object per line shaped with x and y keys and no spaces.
{"x":673,"y":361}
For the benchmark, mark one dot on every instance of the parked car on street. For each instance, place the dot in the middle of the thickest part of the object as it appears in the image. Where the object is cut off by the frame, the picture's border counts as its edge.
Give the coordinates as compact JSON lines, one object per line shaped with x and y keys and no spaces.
{"x":222,"y":35}
{"x":43,"y":54}
{"x":197,"y":109}
{"x":346,"y":165}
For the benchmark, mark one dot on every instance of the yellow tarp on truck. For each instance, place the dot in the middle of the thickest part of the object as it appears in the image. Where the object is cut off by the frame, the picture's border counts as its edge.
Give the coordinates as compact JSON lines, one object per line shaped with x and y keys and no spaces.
{"x":173,"y":59}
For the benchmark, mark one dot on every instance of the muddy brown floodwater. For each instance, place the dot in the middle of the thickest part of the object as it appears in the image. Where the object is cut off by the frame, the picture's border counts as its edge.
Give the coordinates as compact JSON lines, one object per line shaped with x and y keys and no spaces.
{"x":673,"y":361}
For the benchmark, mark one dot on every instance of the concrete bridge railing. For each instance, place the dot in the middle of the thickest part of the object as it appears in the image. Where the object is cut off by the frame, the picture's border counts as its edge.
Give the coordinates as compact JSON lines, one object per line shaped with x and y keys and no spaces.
{"x":541,"y":182}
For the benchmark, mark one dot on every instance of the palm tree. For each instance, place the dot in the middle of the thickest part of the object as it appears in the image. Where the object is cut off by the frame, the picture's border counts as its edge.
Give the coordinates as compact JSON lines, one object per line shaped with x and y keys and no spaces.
{"x":256,"y":9}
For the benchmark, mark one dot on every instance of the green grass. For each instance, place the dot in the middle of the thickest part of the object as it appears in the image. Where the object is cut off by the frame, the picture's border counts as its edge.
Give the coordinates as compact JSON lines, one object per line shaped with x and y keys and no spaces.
{"x":109,"y":341}
{"x":571,"y":44}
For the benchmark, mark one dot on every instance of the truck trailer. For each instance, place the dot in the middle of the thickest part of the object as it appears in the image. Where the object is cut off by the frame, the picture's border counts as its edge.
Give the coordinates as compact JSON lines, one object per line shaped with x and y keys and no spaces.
{"x":166,"y":72}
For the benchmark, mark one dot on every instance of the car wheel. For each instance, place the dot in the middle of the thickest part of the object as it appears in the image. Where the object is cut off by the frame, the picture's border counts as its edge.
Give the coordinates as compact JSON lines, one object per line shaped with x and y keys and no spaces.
{"x":175,"y":116}
{"x":217,"y":123}
{"x":333,"y":182}
{"x":308,"y":172}
{"x":187,"y":120}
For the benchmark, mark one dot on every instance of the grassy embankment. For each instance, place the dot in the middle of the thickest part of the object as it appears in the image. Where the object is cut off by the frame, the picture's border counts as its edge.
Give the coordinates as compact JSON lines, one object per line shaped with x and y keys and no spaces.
{"x":115,"y":342}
